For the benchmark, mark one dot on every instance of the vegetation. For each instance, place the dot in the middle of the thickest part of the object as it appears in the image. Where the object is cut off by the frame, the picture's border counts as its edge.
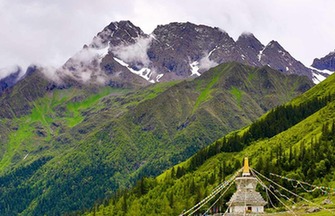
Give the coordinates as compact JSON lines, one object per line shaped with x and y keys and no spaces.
{"x":302,"y":148}
{"x":76,"y":144}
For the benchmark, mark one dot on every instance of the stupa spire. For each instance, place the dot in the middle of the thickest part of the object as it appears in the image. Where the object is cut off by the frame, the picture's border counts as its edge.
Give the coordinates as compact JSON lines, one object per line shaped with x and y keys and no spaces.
{"x":246,"y":171}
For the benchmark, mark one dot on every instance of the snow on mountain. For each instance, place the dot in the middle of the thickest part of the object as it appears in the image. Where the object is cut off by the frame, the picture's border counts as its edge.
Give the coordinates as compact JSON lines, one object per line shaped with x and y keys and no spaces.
{"x":123,"y":53}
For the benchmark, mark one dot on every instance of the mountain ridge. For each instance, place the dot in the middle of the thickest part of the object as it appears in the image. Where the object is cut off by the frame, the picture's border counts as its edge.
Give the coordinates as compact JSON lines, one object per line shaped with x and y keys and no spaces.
{"x":303,"y":151}
{"x":108,"y":138}
{"x":181,"y":50}
{"x":123,"y":55}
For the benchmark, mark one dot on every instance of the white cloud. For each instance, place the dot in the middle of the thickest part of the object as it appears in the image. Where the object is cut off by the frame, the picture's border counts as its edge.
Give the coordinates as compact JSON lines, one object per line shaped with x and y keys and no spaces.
{"x":8,"y":70}
{"x":205,"y":63}
{"x":136,"y":52}
{"x":50,"y":32}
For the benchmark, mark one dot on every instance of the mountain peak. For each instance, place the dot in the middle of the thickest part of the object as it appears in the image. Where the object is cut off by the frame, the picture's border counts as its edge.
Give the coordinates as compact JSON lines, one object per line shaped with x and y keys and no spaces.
{"x":246,"y":35}
{"x":273,"y":44}
{"x":248,"y":40}
{"x":325,"y":63}
{"x":117,"y":33}
{"x":179,"y":50}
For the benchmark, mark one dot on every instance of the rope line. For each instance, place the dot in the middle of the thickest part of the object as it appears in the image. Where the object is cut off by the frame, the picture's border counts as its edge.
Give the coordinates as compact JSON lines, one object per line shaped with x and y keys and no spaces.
{"x":280,"y":194}
{"x":263,"y":184}
{"x":228,"y":208}
{"x":215,"y":191}
{"x":269,"y":189}
{"x":267,"y":194}
{"x":219,"y":198}
{"x":301,"y":183}
{"x":294,"y":194}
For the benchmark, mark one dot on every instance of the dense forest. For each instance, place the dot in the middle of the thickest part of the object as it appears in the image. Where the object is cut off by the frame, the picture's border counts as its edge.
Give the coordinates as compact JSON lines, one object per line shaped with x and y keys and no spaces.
{"x":186,"y":184}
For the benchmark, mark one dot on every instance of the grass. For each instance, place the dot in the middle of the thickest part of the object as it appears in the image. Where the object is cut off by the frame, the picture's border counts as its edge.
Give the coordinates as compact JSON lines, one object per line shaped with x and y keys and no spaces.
{"x":43,"y":114}
{"x":23,"y":133}
{"x":237,"y":94}
{"x":205,"y":94}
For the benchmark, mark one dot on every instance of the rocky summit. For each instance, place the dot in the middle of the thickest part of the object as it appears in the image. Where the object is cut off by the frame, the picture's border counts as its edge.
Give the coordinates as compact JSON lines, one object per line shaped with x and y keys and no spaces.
{"x":325,"y":63}
{"x":123,"y":55}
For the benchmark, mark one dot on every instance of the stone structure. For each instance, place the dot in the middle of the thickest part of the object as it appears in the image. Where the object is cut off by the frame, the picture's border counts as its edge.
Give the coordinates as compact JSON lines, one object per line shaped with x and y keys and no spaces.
{"x":246,"y":200}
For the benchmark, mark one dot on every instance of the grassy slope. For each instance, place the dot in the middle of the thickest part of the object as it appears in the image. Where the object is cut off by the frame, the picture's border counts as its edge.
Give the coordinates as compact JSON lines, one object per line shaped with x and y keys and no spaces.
{"x":157,"y":200}
{"x":106,"y":139}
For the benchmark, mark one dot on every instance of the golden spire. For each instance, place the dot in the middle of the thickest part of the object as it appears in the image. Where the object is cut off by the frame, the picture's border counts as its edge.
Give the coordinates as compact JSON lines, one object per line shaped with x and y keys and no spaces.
{"x":246,"y":171}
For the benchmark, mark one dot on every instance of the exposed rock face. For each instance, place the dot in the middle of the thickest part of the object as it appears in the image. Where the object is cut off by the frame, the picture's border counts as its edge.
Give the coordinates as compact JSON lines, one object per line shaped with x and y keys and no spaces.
{"x":123,"y":55}
{"x":275,"y":56}
{"x":15,"y":76}
{"x":250,"y":49}
{"x":9,"y":81}
{"x":325,"y":63}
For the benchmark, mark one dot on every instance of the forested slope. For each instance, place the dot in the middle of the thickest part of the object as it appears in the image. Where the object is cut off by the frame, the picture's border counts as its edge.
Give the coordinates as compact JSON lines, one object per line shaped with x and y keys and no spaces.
{"x":296,"y":140}
{"x":75,"y":144}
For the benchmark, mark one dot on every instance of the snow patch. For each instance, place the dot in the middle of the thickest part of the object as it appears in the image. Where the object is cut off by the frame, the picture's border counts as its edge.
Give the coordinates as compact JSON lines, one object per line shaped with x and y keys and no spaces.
{"x":195,"y":68}
{"x":243,"y":57}
{"x":158,"y":77}
{"x":211,"y":52}
{"x":260,"y":54}
{"x":153,"y":37}
{"x":287,"y":68}
{"x":322,"y":71}
{"x":317,"y":78}
{"x":143,"y":72}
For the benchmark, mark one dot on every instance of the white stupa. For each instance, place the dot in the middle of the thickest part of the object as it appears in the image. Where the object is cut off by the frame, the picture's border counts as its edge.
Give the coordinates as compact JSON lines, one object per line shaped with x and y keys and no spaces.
{"x":246,"y":200}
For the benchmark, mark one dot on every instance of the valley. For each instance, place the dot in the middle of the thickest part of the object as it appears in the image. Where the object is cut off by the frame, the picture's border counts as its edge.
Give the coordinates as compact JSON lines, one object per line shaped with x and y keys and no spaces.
{"x":149,"y":124}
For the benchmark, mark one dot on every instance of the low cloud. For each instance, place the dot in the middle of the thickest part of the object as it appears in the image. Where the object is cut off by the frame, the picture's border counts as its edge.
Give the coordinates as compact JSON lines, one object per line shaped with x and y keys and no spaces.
{"x":83,"y":67}
{"x":205,"y":63}
{"x":4,"y":72}
{"x":134,"y":53}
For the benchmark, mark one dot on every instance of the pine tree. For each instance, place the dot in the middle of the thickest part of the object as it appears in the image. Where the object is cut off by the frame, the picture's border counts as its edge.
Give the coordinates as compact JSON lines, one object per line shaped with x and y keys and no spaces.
{"x":173,"y":173}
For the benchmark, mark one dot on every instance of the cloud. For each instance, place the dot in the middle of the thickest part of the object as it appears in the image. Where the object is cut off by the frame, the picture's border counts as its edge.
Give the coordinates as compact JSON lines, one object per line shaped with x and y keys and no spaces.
{"x":134,"y":53}
{"x":4,"y":72}
{"x":85,"y":66}
{"x":205,"y":63}
{"x":50,"y":32}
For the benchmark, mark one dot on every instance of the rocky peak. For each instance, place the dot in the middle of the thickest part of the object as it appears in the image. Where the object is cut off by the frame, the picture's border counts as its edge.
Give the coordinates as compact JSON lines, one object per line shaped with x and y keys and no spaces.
{"x":175,"y":51}
{"x":9,"y":80}
{"x":325,"y":63}
{"x":118,"y":33}
{"x":275,"y":46}
{"x":275,"y":56}
{"x":250,"y":48}
{"x":179,"y":48}
{"x":248,"y":40}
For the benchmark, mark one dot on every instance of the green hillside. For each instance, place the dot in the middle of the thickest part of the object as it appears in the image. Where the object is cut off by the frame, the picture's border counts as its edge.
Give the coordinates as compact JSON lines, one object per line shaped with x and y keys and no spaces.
{"x":63,"y":148}
{"x":302,"y":148}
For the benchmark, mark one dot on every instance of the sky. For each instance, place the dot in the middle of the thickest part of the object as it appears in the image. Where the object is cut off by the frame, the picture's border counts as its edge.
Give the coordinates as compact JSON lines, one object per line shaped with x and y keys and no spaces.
{"x":48,"y":33}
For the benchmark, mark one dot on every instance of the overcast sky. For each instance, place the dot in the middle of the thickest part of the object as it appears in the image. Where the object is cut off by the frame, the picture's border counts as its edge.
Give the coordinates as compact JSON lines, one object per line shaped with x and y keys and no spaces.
{"x":50,"y":32}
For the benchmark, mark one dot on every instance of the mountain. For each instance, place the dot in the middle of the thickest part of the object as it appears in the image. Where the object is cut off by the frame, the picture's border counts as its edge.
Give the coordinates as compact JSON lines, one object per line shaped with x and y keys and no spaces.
{"x":63,"y":147}
{"x":325,"y":63}
{"x":9,"y":78}
{"x":295,"y":140}
{"x":123,"y":55}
